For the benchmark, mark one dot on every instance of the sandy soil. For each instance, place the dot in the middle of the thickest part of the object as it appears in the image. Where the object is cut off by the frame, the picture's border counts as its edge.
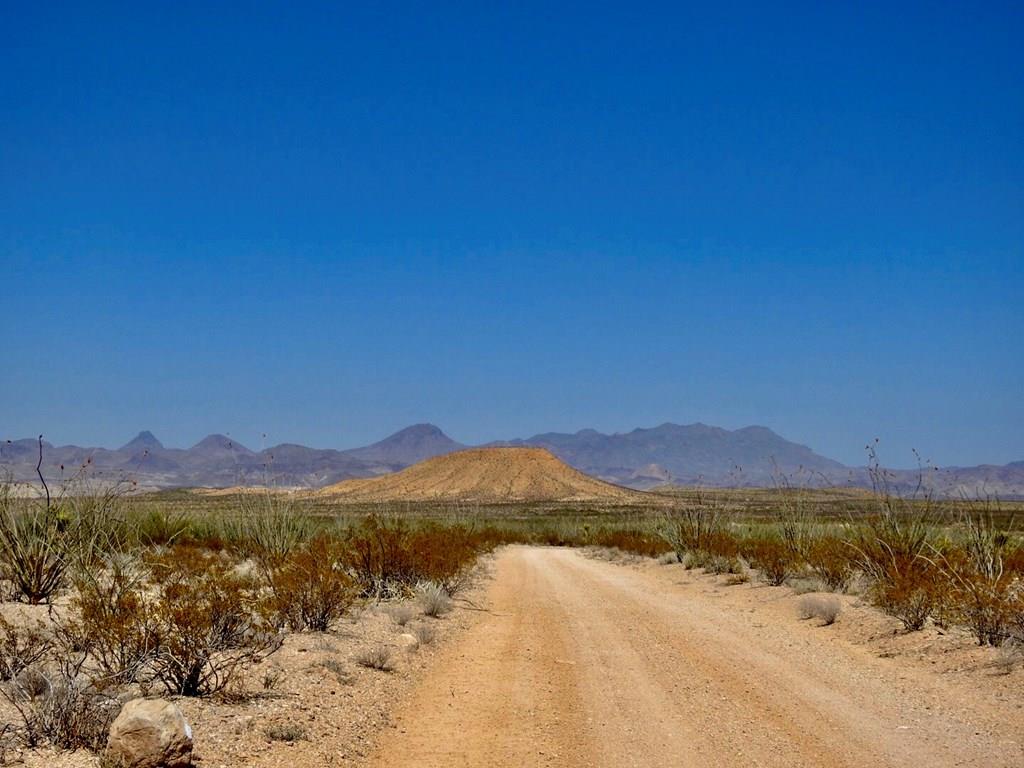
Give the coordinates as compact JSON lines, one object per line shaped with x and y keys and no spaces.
{"x":314,"y":681}
{"x":577,"y":661}
{"x":582,"y":662}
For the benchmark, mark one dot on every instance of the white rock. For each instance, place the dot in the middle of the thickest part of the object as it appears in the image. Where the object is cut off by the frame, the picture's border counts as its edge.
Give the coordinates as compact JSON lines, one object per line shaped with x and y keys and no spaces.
{"x":150,"y":733}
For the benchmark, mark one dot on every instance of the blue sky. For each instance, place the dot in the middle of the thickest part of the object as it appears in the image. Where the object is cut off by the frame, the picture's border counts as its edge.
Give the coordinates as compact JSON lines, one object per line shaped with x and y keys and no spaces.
{"x":323,"y":224}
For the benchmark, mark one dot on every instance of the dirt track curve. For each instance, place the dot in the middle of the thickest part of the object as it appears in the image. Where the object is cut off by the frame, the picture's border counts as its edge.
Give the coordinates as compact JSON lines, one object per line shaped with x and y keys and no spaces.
{"x":586,"y":663}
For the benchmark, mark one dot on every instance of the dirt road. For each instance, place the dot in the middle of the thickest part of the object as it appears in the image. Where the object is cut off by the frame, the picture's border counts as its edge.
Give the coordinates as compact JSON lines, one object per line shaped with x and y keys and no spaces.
{"x":587,"y":663}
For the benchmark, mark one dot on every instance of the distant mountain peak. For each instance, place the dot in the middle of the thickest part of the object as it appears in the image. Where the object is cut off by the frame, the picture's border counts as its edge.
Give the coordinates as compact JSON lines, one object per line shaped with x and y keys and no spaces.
{"x":220,"y":443}
{"x":143,"y":441}
{"x":408,"y":446}
{"x":642,"y":458}
{"x":418,"y":430}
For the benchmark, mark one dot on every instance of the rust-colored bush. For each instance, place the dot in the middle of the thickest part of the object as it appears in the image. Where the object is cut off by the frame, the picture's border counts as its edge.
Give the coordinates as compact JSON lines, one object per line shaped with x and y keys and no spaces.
{"x":208,"y":626}
{"x":723,"y":543}
{"x":631,"y":540}
{"x":311,"y":590}
{"x":187,"y":620}
{"x":773,"y":557}
{"x":831,"y":559}
{"x":389,"y":558}
{"x":910,"y":589}
{"x":115,"y":622}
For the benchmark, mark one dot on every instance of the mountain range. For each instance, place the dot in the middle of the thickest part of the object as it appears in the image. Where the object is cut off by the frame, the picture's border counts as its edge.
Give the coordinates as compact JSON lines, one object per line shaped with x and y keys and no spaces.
{"x":642,"y":459}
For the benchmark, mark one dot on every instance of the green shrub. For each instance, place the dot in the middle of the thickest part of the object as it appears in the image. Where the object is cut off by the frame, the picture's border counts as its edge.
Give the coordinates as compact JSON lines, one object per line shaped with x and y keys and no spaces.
{"x":34,"y":549}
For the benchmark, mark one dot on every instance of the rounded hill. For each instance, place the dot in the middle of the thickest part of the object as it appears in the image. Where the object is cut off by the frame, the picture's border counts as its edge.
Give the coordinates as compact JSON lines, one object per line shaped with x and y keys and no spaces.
{"x":485,"y":475}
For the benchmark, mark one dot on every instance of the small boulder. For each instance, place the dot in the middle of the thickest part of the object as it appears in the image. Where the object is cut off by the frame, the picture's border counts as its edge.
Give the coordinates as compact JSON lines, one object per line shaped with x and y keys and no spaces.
{"x":407,"y":641}
{"x":149,"y":733}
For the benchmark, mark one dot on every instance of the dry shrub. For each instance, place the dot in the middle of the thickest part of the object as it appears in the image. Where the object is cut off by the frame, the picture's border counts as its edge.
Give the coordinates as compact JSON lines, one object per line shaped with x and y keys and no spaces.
{"x":434,"y":599}
{"x":379,"y":556}
{"x":337,"y":669}
{"x":989,"y":604}
{"x":22,"y":648}
{"x":288,"y":732}
{"x":401,"y":614}
{"x":388,"y":558}
{"x":893,"y":551}
{"x":773,"y":557}
{"x":1010,"y":655}
{"x":208,"y":626}
{"x":272,"y":679}
{"x":721,"y":564}
{"x":723,"y":543}
{"x":378,"y":657}
{"x":445,"y":555}
{"x":631,"y":540}
{"x":115,"y":621}
{"x":738,"y":578}
{"x":985,"y":594}
{"x":192,"y":626}
{"x":908,"y":589}
{"x":831,"y":559}
{"x":310,"y":589}
{"x":821,"y":607}
{"x":425,"y":634}
{"x":59,"y":706}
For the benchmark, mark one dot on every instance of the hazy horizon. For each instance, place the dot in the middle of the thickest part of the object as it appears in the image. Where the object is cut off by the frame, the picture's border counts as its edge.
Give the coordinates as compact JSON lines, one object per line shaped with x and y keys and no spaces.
{"x":326,"y":226}
{"x":264,"y":441}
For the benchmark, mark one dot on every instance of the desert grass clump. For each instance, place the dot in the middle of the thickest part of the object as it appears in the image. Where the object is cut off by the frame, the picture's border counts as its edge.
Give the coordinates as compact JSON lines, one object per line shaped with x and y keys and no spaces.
{"x":434,"y":599}
{"x":337,"y":669}
{"x":310,"y":589}
{"x":721,"y":564}
{"x":823,"y":607}
{"x":802,"y":585}
{"x":288,"y":732}
{"x":61,"y":707}
{"x":1010,"y":656}
{"x":425,"y":634}
{"x":668,"y":558}
{"x":377,"y":657}
{"x":401,"y":614}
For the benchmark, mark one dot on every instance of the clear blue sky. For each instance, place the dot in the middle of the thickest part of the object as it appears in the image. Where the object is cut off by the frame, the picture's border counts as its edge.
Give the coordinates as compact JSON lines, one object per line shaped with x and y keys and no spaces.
{"x":326,"y":223}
